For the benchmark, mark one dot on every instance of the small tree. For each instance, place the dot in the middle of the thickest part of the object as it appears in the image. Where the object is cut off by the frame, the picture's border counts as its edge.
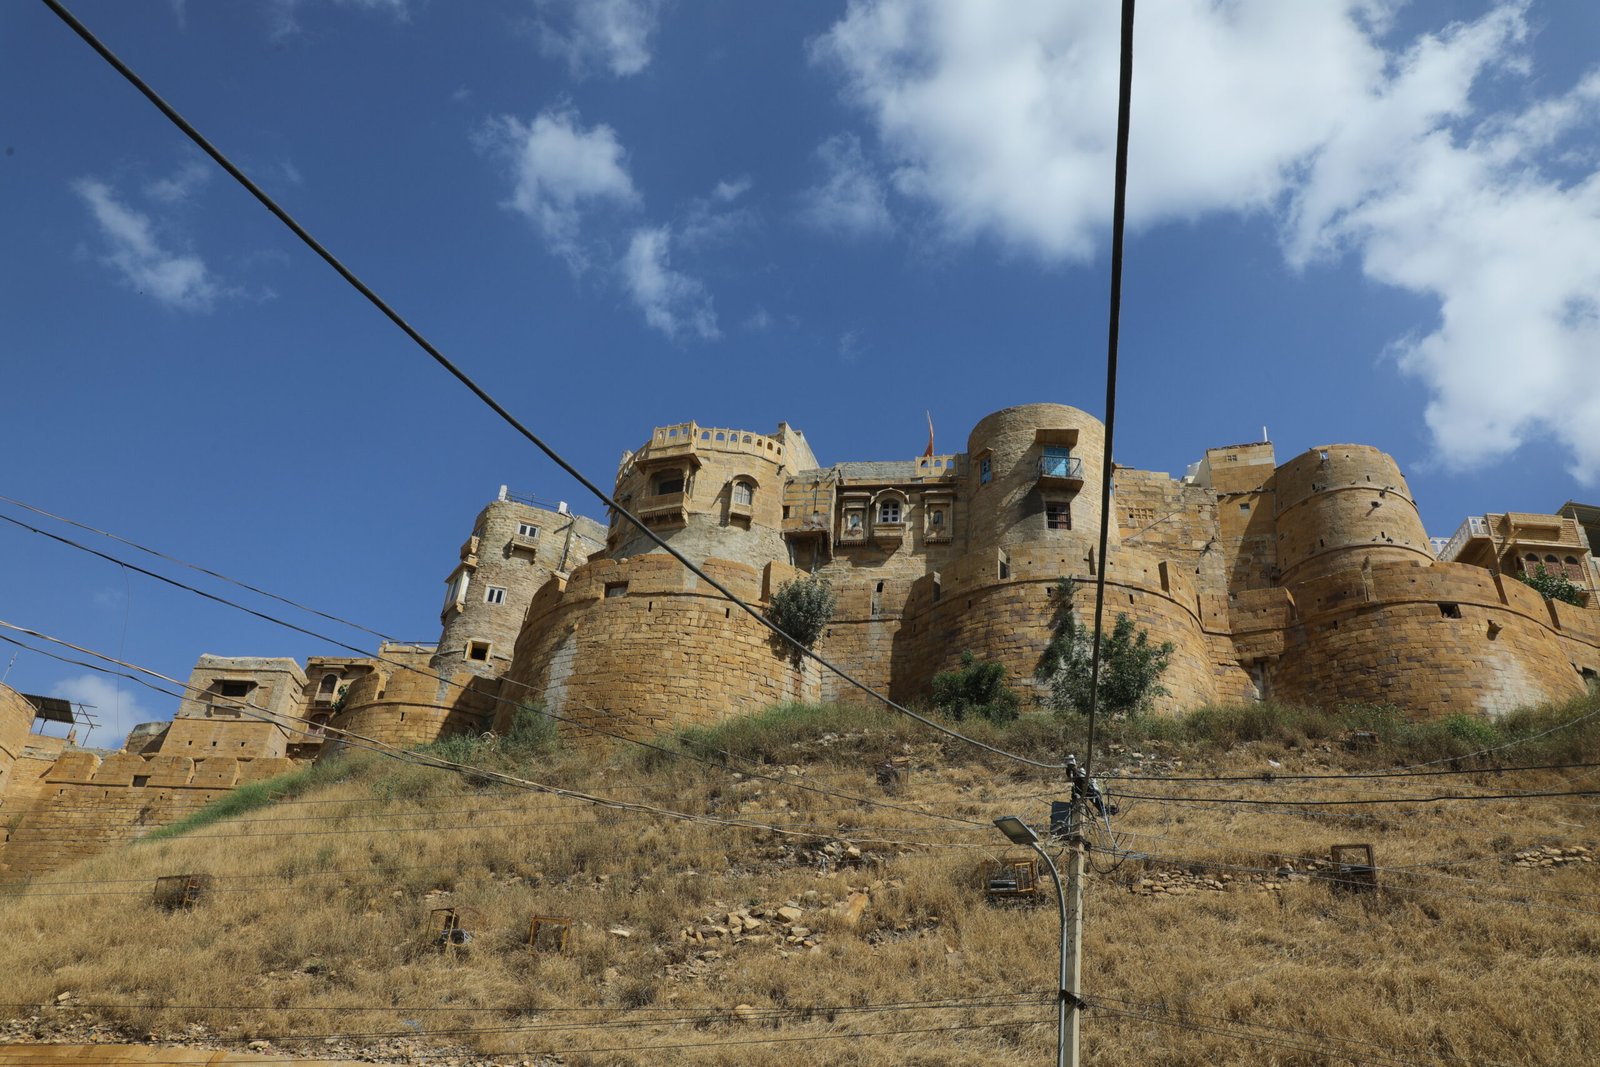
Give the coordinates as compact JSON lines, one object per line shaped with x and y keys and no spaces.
{"x":975,"y":689}
{"x":802,"y":608}
{"x":1554,"y":586}
{"x":1130,"y":666}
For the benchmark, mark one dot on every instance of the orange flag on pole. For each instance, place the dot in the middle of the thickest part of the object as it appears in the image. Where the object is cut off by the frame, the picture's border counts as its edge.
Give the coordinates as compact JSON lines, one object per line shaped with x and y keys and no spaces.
{"x":929,"y":453}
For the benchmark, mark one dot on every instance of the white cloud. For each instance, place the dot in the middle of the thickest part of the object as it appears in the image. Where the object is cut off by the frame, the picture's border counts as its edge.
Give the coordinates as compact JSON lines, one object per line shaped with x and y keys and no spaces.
{"x":559,"y":170}
{"x":117,"y":713}
{"x":729,"y":190}
{"x":712,"y":219}
{"x":610,"y":34}
{"x":852,"y":200}
{"x":178,"y":186}
{"x":1001,"y":126}
{"x":283,"y":16}
{"x":672,"y":302}
{"x":179,"y":280}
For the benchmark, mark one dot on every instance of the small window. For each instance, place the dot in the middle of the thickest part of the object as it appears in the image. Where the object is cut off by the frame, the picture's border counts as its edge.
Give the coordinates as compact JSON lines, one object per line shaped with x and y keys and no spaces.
{"x":1058,"y":515}
{"x":672,"y":483}
{"x":852,"y":520}
{"x":936,"y":518}
{"x":744,"y":493}
{"x":236,"y":689}
{"x":1005,"y":566}
{"x":616,"y":589}
{"x":1450,"y":611}
{"x":478,"y":650}
{"x":327,"y":685}
{"x":494,"y":595}
{"x":985,"y":471}
{"x":889,"y":512}
{"x":141,"y":780}
{"x":786,"y":511}
{"x":1245,"y":507}
{"x":527,"y":529}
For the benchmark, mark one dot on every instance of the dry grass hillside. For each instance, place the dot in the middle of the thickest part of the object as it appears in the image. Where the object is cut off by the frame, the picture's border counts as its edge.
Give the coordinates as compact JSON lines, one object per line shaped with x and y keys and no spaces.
{"x":812,"y":928}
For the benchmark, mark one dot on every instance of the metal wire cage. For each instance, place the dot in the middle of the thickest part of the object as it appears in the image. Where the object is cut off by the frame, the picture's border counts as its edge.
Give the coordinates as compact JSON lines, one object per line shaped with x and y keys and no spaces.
{"x":175,"y":891}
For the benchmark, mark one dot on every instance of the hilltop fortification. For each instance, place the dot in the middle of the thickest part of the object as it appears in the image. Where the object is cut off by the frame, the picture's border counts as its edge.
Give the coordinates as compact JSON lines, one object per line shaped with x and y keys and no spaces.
{"x":1312,"y":581}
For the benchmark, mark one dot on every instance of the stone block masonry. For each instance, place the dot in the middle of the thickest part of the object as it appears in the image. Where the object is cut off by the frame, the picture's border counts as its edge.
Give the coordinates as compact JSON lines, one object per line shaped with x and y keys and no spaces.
{"x":1312,"y":581}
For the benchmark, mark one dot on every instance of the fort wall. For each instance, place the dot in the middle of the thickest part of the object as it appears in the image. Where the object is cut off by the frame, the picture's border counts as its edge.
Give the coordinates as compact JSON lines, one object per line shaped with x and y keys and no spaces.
{"x":1340,"y":505}
{"x":16,"y":723}
{"x":1436,"y":639}
{"x":69,"y":805}
{"x":638,"y":645}
{"x":512,"y":551}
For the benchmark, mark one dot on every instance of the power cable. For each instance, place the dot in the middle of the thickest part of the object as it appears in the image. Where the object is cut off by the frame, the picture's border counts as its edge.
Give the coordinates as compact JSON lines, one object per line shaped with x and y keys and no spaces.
{"x":424,"y":759}
{"x":464,"y":687}
{"x":1119,"y":218}
{"x":196,"y":567}
{"x":494,"y":405}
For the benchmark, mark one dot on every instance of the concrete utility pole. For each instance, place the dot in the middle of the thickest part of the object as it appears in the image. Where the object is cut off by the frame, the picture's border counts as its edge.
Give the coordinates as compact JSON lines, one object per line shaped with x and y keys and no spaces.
{"x":1071,"y":1009}
{"x":1069,"y":899}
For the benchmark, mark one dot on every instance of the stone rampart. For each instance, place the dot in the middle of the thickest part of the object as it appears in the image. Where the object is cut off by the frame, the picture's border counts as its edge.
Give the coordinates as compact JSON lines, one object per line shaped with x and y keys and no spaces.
{"x":80,"y":803}
{"x":1435,"y":639}
{"x":638,"y":645}
{"x":1339,"y":505}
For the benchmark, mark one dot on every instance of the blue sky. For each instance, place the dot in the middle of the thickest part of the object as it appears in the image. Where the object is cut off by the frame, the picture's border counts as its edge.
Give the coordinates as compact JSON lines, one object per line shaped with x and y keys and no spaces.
{"x":1361,"y":221}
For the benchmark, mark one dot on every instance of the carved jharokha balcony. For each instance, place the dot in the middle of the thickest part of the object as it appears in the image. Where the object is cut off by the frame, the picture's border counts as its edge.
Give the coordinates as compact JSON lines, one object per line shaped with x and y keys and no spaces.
{"x":662,"y":508}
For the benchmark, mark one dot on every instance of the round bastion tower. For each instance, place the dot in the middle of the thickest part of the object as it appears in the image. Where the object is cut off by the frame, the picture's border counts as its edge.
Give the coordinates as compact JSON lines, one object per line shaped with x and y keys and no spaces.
{"x":515,"y":547}
{"x":707,"y":492}
{"x":1032,"y":472}
{"x":1340,"y":506}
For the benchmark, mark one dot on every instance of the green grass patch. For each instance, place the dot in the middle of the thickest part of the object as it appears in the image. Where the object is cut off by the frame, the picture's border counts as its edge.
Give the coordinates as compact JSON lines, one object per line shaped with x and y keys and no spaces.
{"x":247,"y":798}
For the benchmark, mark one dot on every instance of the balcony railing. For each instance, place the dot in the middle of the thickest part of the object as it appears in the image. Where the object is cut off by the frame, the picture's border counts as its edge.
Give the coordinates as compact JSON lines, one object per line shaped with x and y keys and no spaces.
{"x":1472,"y":526}
{"x":1061,"y":468}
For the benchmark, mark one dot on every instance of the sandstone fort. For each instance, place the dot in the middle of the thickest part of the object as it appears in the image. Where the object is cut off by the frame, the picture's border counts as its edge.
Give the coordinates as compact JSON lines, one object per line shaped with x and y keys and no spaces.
{"x":1312,"y":581}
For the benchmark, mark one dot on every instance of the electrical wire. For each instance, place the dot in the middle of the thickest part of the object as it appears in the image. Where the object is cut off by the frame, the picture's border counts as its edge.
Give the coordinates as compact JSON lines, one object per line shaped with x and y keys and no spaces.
{"x":1119,"y":217}
{"x":196,"y":567}
{"x":494,"y":405}
{"x":674,"y":753}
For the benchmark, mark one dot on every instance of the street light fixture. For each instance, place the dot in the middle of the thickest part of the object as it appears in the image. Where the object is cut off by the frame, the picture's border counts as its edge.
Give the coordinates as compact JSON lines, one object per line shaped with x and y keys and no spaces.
{"x":1020,"y":833}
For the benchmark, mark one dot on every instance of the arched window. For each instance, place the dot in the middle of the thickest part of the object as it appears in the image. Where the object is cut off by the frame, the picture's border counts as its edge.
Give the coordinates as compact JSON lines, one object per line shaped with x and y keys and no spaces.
{"x":744,"y":493}
{"x":1550,"y":559}
{"x":327,"y":685}
{"x":889,"y":510}
{"x":1532,"y":557}
{"x":1572,"y":561}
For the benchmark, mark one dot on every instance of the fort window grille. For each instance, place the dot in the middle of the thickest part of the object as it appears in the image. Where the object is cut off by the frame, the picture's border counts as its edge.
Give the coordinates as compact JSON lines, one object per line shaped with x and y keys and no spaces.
{"x":744,"y":493}
{"x":1058,"y":515}
{"x":527,"y":529}
{"x":494,"y":595}
{"x":669,"y":485}
{"x":852,"y":520}
{"x":889,"y":511}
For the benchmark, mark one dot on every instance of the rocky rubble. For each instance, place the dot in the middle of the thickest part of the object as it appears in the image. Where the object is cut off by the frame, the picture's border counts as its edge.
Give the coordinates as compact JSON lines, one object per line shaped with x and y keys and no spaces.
{"x":1548,"y":856}
{"x":63,"y":1023}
